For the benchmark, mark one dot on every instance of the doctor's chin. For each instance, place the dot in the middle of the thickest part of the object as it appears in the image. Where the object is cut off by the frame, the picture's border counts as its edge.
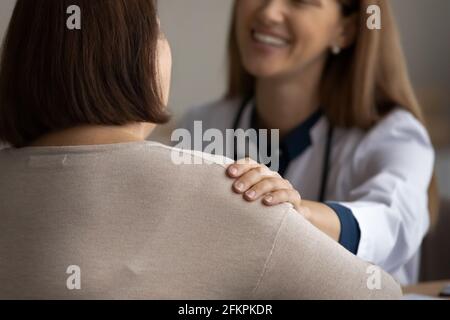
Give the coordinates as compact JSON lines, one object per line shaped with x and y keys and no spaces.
{"x":231,"y":158}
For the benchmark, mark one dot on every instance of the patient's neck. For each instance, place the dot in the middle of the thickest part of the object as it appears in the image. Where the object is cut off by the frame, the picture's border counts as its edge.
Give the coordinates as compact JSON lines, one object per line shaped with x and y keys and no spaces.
{"x":95,"y":135}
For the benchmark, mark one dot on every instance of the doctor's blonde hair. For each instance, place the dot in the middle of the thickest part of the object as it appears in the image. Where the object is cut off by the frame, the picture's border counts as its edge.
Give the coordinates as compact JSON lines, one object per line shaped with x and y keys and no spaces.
{"x":359,"y":86}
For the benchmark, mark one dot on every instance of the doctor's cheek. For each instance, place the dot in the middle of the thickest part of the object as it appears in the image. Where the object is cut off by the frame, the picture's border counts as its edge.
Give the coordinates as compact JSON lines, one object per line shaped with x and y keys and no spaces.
{"x":257,"y":182}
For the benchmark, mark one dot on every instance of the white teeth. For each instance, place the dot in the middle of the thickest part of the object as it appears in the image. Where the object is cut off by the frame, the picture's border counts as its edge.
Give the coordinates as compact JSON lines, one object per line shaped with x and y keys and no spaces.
{"x":269,"y":40}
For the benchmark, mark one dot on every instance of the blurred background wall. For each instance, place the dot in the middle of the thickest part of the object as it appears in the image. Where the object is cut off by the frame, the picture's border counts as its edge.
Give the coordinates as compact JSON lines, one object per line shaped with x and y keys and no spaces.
{"x":197,"y":31}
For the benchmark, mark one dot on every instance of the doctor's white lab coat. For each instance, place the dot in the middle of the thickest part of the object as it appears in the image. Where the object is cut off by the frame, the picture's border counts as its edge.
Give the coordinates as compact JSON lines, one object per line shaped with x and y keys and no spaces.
{"x":381,"y":175}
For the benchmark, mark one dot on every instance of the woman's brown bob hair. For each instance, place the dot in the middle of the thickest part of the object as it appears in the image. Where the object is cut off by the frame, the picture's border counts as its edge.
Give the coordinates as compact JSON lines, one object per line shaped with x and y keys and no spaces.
{"x":53,"y":78}
{"x":360,"y":85}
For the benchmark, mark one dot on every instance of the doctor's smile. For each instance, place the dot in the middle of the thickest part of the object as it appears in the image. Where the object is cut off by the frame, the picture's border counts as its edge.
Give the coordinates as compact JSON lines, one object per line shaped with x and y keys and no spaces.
{"x":269,"y":39}
{"x":312,"y":176}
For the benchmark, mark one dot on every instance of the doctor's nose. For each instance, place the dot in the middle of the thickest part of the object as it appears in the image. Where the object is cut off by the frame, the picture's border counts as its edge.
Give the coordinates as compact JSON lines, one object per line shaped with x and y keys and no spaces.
{"x":271,"y":12}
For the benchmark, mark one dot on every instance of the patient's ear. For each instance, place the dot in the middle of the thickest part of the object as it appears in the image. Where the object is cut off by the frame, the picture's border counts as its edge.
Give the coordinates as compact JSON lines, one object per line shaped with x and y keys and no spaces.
{"x":164,"y":56}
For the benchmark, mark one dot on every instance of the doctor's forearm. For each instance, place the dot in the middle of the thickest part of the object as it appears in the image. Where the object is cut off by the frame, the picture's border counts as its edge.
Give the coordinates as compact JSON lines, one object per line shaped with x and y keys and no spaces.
{"x":323,"y":217}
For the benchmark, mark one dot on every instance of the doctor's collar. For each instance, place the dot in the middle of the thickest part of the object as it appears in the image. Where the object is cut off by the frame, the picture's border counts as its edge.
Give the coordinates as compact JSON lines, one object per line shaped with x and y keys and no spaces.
{"x":297,"y":140}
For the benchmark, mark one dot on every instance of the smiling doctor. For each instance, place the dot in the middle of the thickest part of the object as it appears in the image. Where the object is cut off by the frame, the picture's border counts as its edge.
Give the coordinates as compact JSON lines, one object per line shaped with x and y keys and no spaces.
{"x":355,"y":157}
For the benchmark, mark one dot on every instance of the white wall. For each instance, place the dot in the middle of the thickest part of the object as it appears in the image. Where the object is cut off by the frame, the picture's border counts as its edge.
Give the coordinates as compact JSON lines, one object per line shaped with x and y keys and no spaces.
{"x":425,"y":28}
{"x":197,"y":31}
{"x":6,"y":7}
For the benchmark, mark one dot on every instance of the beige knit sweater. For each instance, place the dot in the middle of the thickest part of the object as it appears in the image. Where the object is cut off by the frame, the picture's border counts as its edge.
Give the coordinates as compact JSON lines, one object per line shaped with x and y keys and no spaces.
{"x":135,"y":225}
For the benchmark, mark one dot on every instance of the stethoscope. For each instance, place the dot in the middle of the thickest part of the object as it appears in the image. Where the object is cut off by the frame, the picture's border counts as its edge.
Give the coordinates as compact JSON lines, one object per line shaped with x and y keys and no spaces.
{"x":327,"y":155}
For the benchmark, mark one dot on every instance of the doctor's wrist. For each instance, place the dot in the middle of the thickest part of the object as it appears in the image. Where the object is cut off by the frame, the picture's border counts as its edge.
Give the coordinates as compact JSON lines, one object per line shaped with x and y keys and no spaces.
{"x":324,"y":218}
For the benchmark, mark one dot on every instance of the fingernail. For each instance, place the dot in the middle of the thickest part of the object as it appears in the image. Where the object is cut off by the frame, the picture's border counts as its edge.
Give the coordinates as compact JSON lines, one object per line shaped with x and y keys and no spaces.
{"x":268,"y":199}
{"x":251,"y":194}
{"x":233,"y":171}
{"x":239,"y":186}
